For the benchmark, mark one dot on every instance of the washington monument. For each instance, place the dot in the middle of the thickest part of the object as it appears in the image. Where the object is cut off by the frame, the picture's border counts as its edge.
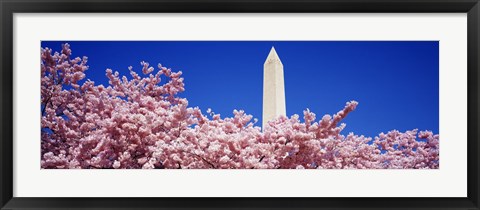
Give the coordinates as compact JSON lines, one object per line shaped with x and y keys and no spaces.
{"x":273,"y":88}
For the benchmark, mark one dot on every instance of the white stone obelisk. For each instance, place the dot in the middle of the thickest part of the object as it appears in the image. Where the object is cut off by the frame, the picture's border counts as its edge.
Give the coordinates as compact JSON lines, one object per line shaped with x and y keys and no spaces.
{"x":273,"y":88}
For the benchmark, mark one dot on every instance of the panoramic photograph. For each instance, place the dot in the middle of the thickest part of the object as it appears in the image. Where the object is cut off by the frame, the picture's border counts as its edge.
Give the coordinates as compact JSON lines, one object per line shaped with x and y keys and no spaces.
{"x":239,"y":105}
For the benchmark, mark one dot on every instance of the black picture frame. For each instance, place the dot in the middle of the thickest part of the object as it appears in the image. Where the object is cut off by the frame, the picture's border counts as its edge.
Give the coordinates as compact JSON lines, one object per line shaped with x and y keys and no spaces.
{"x":9,"y":7}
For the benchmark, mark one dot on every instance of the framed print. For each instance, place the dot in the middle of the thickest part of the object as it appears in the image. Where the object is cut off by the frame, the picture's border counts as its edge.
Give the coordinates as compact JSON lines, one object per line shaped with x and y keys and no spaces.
{"x":239,"y":105}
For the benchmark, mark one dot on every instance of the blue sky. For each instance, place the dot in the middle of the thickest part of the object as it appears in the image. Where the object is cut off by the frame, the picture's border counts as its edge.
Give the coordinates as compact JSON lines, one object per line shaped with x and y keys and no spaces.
{"x":395,"y":82}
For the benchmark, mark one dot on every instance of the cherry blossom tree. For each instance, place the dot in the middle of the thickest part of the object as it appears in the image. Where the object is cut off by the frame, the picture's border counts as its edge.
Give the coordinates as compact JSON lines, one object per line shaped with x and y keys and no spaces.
{"x":142,"y":123}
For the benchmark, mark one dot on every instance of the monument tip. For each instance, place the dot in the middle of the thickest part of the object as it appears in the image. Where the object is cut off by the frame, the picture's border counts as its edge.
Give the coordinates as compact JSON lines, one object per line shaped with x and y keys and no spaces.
{"x":273,"y":56}
{"x":272,"y":50}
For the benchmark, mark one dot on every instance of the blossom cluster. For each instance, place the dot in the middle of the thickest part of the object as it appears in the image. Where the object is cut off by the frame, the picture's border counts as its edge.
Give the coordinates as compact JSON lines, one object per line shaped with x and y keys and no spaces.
{"x":143,"y":123}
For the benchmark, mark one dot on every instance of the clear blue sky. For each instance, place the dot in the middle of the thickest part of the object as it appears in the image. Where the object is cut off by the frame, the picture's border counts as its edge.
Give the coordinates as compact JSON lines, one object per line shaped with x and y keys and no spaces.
{"x":395,"y":82}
